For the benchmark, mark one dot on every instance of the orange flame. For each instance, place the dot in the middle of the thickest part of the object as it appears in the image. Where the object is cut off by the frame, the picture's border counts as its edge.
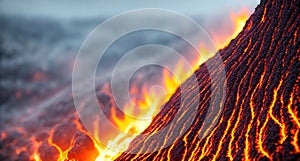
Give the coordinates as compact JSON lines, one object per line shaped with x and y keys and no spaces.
{"x":237,"y":23}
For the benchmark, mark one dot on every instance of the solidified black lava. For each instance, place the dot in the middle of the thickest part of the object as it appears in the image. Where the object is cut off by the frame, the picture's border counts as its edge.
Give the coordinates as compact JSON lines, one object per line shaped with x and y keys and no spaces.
{"x":260,"y":119}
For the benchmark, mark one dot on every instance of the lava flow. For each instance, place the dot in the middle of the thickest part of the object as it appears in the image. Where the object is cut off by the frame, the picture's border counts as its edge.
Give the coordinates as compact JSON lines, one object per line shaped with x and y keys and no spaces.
{"x":260,"y":119}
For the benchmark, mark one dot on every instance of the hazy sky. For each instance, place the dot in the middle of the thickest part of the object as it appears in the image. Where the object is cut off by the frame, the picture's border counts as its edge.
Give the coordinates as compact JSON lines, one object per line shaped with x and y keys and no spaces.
{"x":93,"y":8}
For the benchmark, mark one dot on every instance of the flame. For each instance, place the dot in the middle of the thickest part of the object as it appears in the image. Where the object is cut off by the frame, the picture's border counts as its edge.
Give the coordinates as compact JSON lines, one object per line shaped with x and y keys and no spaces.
{"x":237,"y":22}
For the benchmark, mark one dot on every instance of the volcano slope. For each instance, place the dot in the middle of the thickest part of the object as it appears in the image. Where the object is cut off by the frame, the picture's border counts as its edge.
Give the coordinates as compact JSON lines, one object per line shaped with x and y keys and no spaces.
{"x":260,"y":118}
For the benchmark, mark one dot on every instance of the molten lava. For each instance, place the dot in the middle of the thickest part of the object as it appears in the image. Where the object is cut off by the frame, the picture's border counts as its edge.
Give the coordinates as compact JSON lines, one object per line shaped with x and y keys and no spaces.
{"x":260,"y":119}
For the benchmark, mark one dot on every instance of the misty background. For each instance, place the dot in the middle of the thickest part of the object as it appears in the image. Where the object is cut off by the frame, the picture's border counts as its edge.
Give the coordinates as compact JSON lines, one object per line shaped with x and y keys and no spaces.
{"x":39,"y":41}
